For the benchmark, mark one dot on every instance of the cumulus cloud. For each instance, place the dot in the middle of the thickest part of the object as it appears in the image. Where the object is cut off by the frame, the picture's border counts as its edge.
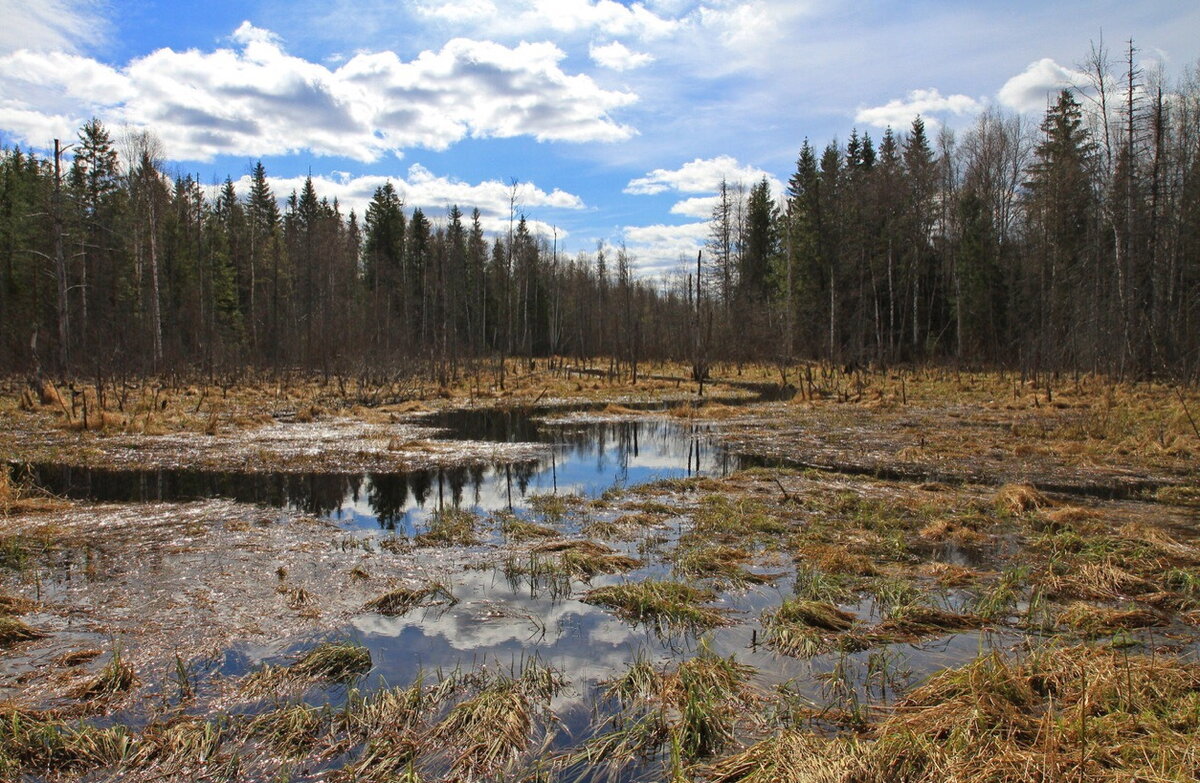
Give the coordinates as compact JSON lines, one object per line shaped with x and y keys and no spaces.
{"x":618,"y":56}
{"x":659,"y":248}
{"x":702,"y":175}
{"x":432,"y":193}
{"x":899,"y":113}
{"x":255,"y":99}
{"x":696,"y":207}
{"x":526,"y":17}
{"x":50,"y":25}
{"x":1035,"y":87}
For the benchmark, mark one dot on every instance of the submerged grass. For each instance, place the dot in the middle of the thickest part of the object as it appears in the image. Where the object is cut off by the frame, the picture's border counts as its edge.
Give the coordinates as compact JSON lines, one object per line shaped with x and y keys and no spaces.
{"x":335,"y":661}
{"x":1092,"y":620}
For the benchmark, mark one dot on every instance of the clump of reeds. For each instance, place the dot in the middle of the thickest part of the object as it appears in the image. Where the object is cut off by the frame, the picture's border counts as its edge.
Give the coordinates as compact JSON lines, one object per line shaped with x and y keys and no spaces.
{"x":1020,"y":499}
{"x":450,"y":527}
{"x":816,"y":584}
{"x":734,"y":520}
{"x":403,"y":600}
{"x":805,"y":628}
{"x":835,"y":559}
{"x":584,"y":559}
{"x":915,"y":621}
{"x":1093,"y":620}
{"x":1179,"y":495}
{"x":612,"y":409}
{"x":691,"y":709}
{"x":293,"y":730}
{"x":654,"y":508}
{"x":115,"y":678}
{"x":1103,"y":580}
{"x":14,"y":631}
{"x":790,"y":755}
{"x":550,"y":507}
{"x":516,"y":529}
{"x":951,"y":574}
{"x":666,"y":606}
{"x":8,"y":491}
{"x":721,"y":562}
{"x":999,"y":600}
{"x":1063,"y":714}
{"x":490,"y":731}
{"x":1070,"y":517}
{"x":335,"y":661}
{"x":36,"y":744}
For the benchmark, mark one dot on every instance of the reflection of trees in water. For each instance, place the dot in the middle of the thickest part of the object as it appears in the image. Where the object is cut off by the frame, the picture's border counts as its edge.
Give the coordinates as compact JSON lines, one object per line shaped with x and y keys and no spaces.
{"x":609,"y":447}
{"x":387,"y":496}
{"x":320,"y":494}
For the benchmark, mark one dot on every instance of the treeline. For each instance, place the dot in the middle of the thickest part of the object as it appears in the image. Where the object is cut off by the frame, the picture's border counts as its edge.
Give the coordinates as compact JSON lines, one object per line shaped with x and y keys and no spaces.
{"x":110,"y":267}
{"x":1074,"y":244}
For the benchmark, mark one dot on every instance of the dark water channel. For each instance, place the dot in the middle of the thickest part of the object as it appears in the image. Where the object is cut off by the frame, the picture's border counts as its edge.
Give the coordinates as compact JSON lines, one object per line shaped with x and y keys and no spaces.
{"x":580,"y":457}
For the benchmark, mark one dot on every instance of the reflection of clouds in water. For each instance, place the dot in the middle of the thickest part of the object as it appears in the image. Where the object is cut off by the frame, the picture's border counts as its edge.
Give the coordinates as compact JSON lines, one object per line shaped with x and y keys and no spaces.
{"x":492,"y":625}
{"x":612,"y":631}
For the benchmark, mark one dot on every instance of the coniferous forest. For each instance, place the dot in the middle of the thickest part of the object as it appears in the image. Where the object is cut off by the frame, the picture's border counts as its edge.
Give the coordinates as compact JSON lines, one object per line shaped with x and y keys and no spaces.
{"x":1072,"y":243}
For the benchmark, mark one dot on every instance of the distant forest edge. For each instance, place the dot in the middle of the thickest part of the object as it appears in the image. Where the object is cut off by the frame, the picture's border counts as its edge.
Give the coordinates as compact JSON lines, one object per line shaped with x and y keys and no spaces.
{"x":1071,"y":245}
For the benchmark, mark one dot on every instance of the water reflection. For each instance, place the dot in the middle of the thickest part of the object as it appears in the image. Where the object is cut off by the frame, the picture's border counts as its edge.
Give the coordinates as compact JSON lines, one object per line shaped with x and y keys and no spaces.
{"x":582,"y":458}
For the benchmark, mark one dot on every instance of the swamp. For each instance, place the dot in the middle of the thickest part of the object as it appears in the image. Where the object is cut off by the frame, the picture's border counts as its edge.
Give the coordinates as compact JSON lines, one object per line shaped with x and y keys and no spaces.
{"x":902,"y":575}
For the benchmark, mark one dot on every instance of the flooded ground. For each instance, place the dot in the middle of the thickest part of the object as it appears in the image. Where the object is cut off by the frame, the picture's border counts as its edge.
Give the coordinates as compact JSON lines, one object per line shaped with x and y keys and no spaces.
{"x":641,"y":596}
{"x":581,"y":455}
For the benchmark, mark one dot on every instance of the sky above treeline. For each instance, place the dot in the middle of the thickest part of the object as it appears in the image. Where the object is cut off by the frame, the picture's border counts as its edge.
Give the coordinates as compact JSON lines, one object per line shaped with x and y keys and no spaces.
{"x":617,"y":120}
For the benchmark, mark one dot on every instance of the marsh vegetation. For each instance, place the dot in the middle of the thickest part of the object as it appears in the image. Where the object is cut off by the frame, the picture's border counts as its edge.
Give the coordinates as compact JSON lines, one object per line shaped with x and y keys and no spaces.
{"x":914,"y":576}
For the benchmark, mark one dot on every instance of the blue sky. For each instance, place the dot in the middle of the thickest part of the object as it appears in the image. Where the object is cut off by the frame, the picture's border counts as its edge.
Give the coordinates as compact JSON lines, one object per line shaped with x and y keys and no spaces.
{"x":618,"y":119}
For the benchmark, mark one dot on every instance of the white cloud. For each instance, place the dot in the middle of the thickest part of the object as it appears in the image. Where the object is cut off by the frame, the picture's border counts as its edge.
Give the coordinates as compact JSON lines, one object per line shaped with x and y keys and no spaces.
{"x":1036,"y":87}
{"x":247,"y":33}
{"x":42,"y":25}
{"x":659,"y":248}
{"x":618,"y":56}
{"x":702,"y":175}
{"x":433,"y":194}
{"x":697,"y":207}
{"x":899,"y":113}
{"x":529,"y":17}
{"x":258,"y":100}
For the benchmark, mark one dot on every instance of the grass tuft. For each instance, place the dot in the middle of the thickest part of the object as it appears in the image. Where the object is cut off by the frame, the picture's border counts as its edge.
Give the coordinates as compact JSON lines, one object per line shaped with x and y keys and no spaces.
{"x":1020,"y":499}
{"x":721,"y":562}
{"x":403,"y":600}
{"x":450,"y":527}
{"x":335,"y":661}
{"x":115,"y":678}
{"x":14,"y":631}
{"x":666,"y":606}
{"x":1094,"y":620}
